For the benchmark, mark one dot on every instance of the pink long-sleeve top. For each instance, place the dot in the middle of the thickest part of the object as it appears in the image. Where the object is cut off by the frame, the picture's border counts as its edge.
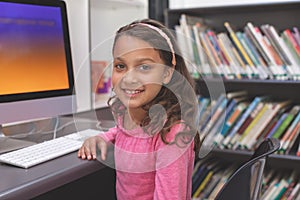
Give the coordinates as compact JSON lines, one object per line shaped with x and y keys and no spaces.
{"x":149,"y":169}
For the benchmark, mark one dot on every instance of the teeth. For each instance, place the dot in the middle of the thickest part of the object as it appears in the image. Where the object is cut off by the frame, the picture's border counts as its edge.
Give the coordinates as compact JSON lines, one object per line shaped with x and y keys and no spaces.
{"x":132,"y":91}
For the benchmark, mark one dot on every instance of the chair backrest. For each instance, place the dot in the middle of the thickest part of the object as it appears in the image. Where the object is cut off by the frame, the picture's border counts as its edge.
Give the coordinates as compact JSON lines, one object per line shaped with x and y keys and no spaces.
{"x":245,"y":183}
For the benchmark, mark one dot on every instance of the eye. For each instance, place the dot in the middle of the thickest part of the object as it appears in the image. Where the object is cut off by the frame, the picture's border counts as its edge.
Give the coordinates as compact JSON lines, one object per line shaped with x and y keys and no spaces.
{"x":144,"y":67}
{"x":120,"y":67}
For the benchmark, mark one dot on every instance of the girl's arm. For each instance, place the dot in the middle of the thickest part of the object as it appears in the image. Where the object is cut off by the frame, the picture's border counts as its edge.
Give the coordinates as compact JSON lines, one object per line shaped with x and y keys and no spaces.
{"x":174,"y":167}
{"x":174,"y":181}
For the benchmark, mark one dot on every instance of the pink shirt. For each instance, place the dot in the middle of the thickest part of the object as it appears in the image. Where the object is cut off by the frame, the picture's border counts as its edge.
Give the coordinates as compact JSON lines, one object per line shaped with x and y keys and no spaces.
{"x":149,"y":169}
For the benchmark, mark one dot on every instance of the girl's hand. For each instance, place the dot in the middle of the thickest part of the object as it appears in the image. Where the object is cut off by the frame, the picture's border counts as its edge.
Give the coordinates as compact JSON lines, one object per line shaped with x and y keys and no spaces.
{"x":88,"y":149}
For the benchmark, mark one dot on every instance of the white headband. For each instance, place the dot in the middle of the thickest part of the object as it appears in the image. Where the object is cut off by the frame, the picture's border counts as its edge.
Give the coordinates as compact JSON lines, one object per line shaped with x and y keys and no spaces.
{"x":164,"y":35}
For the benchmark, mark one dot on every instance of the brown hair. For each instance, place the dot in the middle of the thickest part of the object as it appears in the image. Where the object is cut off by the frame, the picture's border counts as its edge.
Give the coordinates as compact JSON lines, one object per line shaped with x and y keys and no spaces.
{"x":177,"y":97}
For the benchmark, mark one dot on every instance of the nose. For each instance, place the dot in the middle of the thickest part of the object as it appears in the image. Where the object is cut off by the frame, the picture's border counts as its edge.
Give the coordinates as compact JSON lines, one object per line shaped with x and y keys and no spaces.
{"x":130,"y":77}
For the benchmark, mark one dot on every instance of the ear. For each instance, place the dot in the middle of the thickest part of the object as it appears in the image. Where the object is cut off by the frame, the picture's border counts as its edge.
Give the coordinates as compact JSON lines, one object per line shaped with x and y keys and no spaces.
{"x":168,"y":73}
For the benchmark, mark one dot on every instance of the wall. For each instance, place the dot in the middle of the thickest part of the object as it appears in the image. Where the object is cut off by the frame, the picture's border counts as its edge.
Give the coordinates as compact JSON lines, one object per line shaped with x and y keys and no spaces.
{"x":173,"y":4}
{"x":78,"y":15}
{"x":106,"y":17}
{"x":92,"y":23}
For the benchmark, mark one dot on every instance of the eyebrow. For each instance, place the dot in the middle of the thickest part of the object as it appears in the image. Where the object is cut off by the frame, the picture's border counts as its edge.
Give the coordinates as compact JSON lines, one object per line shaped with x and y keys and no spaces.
{"x":138,"y":60}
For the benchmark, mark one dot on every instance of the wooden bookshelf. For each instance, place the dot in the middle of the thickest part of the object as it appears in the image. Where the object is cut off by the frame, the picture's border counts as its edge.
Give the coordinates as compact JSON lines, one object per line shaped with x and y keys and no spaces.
{"x":282,"y":16}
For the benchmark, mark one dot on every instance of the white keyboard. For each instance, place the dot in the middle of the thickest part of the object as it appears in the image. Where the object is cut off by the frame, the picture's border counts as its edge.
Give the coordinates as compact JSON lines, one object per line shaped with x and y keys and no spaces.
{"x":39,"y":153}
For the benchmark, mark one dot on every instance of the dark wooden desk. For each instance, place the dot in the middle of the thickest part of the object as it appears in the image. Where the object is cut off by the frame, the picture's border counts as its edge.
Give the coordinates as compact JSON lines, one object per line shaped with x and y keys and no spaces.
{"x":66,"y":175}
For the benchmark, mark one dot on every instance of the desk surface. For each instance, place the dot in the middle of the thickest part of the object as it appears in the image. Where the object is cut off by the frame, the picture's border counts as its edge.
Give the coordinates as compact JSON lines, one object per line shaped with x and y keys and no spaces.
{"x":19,"y":183}
{"x":27,"y":183}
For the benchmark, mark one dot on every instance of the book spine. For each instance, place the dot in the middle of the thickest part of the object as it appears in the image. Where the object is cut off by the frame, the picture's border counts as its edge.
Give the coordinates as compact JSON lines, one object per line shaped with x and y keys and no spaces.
{"x":291,"y":138}
{"x":235,"y":143}
{"x":240,"y":48}
{"x":252,"y":137}
{"x":279,"y":122}
{"x":286,"y":122}
{"x":241,"y":120}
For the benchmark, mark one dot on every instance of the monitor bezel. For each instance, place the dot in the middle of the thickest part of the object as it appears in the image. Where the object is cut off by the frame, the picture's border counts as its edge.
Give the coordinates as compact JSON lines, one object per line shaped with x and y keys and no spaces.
{"x":67,"y":46}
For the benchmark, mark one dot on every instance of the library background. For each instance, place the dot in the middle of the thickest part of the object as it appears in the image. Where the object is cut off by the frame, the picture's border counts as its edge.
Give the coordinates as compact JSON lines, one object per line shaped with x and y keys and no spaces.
{"x":245,"y":59}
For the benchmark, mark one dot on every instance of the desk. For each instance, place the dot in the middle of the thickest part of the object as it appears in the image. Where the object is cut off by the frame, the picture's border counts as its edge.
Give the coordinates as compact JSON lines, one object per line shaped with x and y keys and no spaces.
{"x":37,"y":181}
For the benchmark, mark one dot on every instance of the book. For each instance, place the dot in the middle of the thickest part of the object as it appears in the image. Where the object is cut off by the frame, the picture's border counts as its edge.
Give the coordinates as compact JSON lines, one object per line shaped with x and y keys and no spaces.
{"x":290,"y":116}
{"x":204,"y":65}
{"x":256,"y":67}
{"x":238,"y":110}
{"x":292,"y":65}
{"x":261,"y":64}
{"x":208,"y":53}
{"x":235,"y":142}
{"x":277,"y":125}
{"x":275,"y":43}
{"x":225,"y":175}
{"x":275,"y":108}
{"x":241,"y":49}
{"x":241,"y":120}
{"x":210,"y":186}
{"x":295,"y":192}
{"x":265,"y":50}
{"x":231,"y":113}
{"x":206,"y":124}
{"x":287,"y":134}
{"x":207,"y":170}
{"x":258,"y":124}
{"x":222,"y":60}
{"x":237,"y":63}
{"x":217,"y":116}
{"x":271,"y":124}
{"x":186,"y":37}
{"x":272,"y":186}
{"x":203,"y":104}
{"x":293,"y":42}
{"x":296,"y":35}
{"x":291,"y":139}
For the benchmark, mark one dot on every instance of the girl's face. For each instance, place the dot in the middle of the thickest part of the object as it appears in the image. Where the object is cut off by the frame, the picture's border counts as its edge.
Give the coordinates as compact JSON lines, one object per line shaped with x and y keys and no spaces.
{"x":138,"y":72}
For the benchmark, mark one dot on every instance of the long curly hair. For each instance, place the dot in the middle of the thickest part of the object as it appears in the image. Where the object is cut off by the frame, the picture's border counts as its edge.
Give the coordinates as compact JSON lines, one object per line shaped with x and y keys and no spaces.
{"x":177,"y":97}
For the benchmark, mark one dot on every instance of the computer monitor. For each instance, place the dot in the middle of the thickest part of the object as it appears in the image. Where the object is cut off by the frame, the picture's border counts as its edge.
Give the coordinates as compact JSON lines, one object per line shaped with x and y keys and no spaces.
{"x":36,"y":72}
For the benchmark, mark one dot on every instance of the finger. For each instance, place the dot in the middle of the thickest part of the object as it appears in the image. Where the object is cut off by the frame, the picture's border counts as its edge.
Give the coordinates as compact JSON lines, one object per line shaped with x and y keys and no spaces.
{"x":103,"y":148}
{"x":93,"y":149}
{"x":81,"y":153}
{"x":87,"y":151}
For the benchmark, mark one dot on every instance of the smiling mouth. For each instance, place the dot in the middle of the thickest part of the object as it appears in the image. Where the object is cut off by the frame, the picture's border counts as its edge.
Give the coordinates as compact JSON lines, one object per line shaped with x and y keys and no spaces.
{"x":132,"y":92}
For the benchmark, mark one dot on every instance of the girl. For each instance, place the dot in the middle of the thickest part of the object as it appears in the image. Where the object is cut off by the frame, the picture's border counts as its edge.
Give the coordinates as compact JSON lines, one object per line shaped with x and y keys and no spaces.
{"x":155,"y":139}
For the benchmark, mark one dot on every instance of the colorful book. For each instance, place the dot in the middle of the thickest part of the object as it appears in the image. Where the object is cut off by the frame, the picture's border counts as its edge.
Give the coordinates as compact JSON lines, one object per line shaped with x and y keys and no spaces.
{"x":271,"y":110}
{"x":232,"y":119}
{"x":241,"y":120}
{"x":240,"y":48}
{"x":249,"y":137}
{"x":232,"y":111}
{"x":293,"y":138}
{"x":208,"y":121}
{"x":204,"y":65}
{"x":290,"y":116}
{"x":234,"y":143}
{"x":286,"y":146}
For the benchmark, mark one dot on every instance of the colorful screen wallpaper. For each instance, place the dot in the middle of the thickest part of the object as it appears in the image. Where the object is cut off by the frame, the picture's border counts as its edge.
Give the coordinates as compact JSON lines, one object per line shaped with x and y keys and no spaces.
{"x":32,"y":53}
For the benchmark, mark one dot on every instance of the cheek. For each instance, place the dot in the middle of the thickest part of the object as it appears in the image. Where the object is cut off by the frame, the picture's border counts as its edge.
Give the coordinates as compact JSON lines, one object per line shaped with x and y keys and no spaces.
{"x":115,"y":79}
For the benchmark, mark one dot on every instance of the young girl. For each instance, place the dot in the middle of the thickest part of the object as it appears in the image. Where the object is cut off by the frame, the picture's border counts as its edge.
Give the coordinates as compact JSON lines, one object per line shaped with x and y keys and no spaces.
{"x":155,"y":139}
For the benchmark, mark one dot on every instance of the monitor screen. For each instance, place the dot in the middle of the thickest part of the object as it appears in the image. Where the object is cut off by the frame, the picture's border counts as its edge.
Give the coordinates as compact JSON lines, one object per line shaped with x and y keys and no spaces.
{"x":35,"y":60}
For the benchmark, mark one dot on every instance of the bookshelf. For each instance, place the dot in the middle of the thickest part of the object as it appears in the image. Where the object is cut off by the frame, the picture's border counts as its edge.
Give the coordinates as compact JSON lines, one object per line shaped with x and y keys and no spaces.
{"x":282,"y":15}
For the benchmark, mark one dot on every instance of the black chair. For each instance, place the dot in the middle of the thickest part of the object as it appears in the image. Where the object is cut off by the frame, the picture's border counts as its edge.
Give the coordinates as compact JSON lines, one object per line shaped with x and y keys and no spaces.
{"x":245,"y":183}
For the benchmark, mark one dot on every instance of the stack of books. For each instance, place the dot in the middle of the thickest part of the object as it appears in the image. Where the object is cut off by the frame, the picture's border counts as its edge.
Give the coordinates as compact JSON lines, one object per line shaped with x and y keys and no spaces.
{"x":233,"y":121}
{"x":254,"y":53}
{"x":209,"y":176}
